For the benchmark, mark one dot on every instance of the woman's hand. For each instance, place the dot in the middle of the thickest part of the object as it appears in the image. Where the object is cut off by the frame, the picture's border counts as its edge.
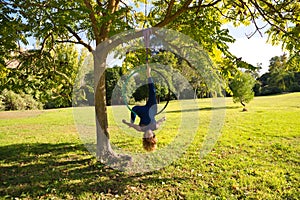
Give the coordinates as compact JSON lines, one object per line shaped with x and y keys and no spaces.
{"x":127,"y":123}
{"x":131,"y":125}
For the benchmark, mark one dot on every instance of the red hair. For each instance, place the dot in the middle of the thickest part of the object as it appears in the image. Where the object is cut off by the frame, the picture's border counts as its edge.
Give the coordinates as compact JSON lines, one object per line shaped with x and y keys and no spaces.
{"x":149,"y":144}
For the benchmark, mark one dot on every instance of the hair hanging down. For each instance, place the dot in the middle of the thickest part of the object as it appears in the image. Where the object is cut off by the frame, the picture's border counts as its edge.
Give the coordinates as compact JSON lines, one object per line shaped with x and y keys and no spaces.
{"x":149,"y":144}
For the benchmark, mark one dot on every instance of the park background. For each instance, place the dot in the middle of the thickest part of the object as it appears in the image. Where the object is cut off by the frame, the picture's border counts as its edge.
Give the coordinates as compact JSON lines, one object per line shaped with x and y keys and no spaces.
{"x":257,"y":155}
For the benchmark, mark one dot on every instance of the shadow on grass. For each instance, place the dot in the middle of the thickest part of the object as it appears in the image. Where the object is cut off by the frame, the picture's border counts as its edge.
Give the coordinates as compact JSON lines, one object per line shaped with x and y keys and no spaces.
{"x":204,"y":109}
{"x":62,"y":170}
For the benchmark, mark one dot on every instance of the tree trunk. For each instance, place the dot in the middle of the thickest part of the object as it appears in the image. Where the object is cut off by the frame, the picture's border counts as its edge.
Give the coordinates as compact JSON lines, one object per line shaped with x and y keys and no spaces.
{"x":244,"y":106}
{"x":104,"y":152}
{"x":103,"y":144}
{"x":158,"y":99}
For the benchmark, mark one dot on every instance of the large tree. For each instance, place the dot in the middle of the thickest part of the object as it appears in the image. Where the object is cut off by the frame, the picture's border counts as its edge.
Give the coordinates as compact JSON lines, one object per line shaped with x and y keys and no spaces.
{"x":282,"y":76}
{"x":84,"y":21}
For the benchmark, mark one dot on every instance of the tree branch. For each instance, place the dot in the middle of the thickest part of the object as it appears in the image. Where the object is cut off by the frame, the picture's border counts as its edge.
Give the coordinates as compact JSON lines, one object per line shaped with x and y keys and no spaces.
{"x":112,"y":6}
{"x":257,"y":29}
{"x":169,"y":9}
{"x":255,"y":24}
{"x":74,"y":42}
{"x":200,"y":5}
{"x":264,"y":15}
{"x":210,"y":4}
{"x":186,"y":6}
{"x":44,"y":41}
{"x":228,"y":17}
{"x":79,"y":40}
{"x":93,"y":20}
{"x":170,"y":18}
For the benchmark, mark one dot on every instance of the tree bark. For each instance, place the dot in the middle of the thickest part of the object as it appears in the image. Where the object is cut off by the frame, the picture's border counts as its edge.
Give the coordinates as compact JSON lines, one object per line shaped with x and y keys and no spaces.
{"x":244,"y":107}
{"x":104,"y":149}
{"x":243,"y":103}
{"x":104,"y":152}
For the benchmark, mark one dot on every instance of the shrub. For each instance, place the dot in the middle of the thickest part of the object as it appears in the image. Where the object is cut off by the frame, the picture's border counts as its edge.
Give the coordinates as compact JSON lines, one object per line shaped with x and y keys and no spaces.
{"x":294,"y":87}
{"x":2,"y":106}
{"x":31,"y":103}
{"x":12,"y":101}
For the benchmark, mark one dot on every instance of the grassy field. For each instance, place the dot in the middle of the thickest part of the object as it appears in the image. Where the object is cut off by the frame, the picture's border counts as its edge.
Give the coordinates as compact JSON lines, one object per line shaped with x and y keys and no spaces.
{"x":256,"y":156}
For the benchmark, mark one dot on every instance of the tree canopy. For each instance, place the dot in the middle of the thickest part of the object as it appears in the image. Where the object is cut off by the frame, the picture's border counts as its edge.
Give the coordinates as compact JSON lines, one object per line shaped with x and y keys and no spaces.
{"x":242,"y":88}
{"x":282,"y":76}
{"x":84,"y":21}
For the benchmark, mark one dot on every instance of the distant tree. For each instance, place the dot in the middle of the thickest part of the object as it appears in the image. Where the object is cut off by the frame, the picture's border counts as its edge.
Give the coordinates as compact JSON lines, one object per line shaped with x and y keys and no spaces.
{"x":242,"y":88}
{"x":282,"y":76}
{"x":48,"y":78}
{"x":159,"y":78}
{"x":278,"y":73}
{"x":12,"y":101}
{"x":85,"y":92}
{"x":112,"y":77}
{"x":61,"y":75}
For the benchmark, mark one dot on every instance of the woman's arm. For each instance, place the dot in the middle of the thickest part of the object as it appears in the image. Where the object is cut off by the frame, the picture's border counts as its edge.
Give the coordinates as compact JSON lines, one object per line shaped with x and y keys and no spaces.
{"x":159,"y":122}
{"x":136,"y":127}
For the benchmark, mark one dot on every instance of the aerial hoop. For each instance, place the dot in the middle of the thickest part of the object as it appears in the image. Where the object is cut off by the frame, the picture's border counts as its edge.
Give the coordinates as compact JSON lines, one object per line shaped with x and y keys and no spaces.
{"x":125,"y":86}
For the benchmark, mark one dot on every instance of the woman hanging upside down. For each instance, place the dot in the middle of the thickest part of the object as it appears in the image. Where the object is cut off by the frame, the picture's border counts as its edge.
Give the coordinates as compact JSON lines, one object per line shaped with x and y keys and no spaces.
{"x":147,"y":114}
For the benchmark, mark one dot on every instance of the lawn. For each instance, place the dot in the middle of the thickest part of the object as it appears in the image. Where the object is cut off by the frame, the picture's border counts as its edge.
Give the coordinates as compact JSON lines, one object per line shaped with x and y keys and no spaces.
{"x":255,"y":157}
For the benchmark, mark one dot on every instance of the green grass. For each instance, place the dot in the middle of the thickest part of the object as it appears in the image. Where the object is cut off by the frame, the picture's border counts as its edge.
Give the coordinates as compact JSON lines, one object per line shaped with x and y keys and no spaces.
{"x":256,"y":157}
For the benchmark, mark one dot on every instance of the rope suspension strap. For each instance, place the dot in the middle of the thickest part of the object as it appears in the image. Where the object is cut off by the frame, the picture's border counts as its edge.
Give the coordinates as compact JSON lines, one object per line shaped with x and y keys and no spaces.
{"x":146,"y":33}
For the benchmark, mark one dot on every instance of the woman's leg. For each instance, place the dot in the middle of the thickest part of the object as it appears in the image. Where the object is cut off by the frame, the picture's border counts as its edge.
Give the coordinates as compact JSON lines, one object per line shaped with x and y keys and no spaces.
{"x":152,"y":93}
{"x":141,"y":111}
{"x":151,"y":103}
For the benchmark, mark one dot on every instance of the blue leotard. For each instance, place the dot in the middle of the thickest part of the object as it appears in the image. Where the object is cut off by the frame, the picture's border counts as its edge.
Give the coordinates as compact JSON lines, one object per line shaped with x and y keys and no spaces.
{"x":147,"y":112}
